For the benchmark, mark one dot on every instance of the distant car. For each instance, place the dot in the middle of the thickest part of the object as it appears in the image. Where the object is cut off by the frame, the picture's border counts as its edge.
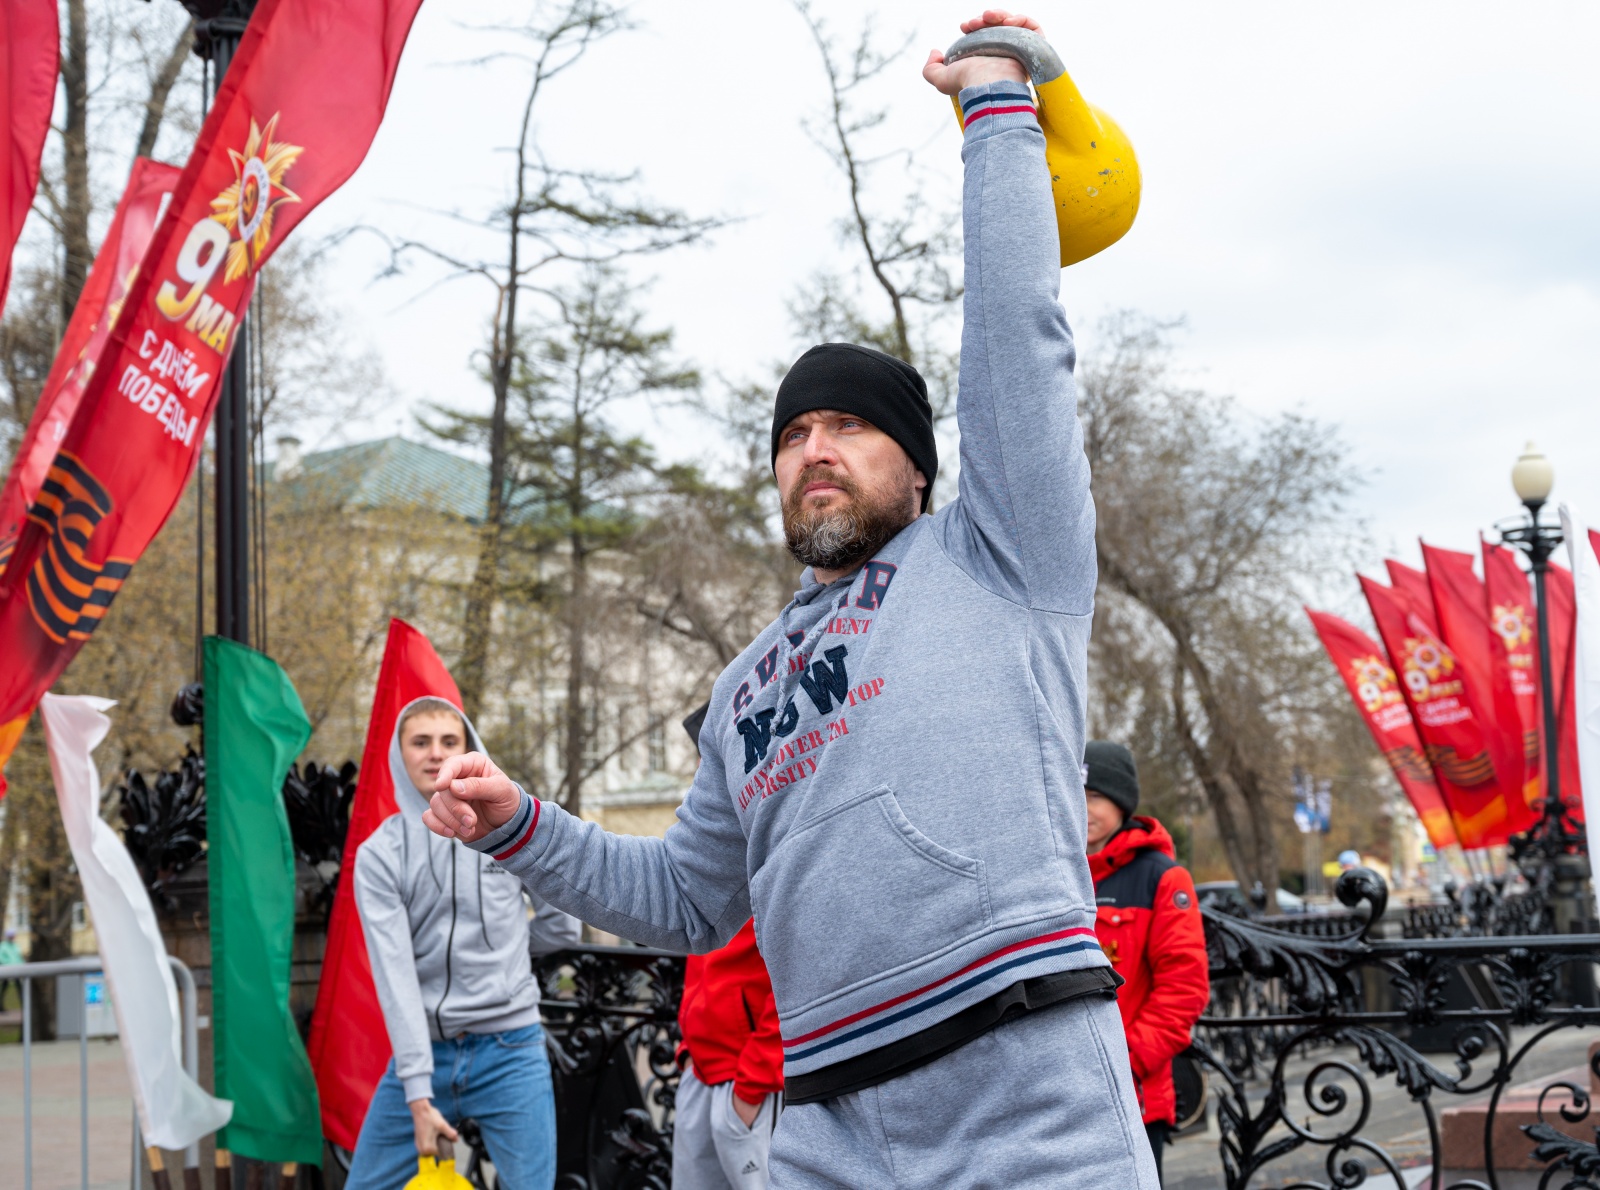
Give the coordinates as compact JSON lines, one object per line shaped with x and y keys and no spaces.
{"x":1224,"y":895}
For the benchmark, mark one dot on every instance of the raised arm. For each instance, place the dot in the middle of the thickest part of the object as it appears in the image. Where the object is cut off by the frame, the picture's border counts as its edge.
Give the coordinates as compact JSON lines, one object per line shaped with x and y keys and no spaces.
{"x":1024,"y":523}
{"x":687,"y":892}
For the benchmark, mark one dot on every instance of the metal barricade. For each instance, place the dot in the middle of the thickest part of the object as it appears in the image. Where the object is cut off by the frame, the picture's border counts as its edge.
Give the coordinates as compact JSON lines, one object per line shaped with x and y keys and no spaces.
{"x":26,"y":973}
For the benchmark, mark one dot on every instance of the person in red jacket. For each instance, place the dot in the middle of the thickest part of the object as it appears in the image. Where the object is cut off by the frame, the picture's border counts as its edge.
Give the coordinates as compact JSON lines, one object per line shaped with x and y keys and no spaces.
{"x":1149,"y":925}
{"x":731,"y":1090}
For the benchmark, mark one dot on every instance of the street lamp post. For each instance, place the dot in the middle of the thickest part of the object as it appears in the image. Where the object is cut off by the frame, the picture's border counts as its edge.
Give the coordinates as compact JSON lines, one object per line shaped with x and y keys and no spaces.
{"x":1552,"y":852}
{"x":219,"y":26}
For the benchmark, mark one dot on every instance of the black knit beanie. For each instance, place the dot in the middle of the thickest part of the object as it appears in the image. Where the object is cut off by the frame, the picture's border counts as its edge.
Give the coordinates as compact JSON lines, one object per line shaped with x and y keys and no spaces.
{"x":1108,"y":769}
{"x":695,"y":721}
{"x":886,"y":391}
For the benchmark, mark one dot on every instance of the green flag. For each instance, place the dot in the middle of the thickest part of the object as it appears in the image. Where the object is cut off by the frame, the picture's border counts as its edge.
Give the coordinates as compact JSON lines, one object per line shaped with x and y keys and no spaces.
{"x":254,"y":728}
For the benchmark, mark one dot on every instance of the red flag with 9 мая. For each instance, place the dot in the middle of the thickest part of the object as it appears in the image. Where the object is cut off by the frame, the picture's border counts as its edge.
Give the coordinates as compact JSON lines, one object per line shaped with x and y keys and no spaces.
{"x":295,"y":115}
{"x":349,"y":1044}
{"x":1451,"y":736}
{"x":1371,"y":681}
{"x":1462,"y":609}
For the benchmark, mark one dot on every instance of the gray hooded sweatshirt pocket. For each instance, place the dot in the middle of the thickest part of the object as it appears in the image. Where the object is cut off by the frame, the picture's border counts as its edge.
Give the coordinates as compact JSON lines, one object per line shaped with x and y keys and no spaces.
{"x":447,"y":932}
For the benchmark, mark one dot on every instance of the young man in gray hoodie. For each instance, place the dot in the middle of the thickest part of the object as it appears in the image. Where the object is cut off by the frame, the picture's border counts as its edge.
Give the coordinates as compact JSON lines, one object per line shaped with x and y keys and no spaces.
{"x":891,"y":775}
{"x":449,"y":937}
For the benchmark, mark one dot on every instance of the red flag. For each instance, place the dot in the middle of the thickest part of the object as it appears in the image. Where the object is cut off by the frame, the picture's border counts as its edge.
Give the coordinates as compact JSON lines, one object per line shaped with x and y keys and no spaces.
{"x":1514,"y":648}
{"x":1451,"y":735}
{"x":1462,"y":609}
{"x":30,"y":35}
{"x":1413,"y":583}
{"x":115,"y":266}
{"x":1371,"y":682}
{"x":1558,"y":589}
{"x":349,"y":1045}
{"x":296,"y":113}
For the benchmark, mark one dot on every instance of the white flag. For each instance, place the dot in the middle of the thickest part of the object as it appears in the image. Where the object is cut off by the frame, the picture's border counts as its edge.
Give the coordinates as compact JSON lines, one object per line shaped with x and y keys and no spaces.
{"x":1586,"y":663}
{"x":174,"y":1111}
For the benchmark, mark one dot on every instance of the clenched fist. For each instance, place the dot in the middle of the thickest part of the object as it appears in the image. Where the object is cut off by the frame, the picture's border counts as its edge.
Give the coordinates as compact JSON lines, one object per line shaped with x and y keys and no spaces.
{"x":471,"y":798}
{"x":972,"y":72}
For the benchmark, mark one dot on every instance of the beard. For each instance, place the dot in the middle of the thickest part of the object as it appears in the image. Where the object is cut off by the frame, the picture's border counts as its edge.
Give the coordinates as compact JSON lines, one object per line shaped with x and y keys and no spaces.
{"x":840,"y":537}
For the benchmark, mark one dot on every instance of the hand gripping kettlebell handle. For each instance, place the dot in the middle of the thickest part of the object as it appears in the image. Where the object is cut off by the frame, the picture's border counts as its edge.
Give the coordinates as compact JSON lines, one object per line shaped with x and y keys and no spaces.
{"x":1006,"y":41}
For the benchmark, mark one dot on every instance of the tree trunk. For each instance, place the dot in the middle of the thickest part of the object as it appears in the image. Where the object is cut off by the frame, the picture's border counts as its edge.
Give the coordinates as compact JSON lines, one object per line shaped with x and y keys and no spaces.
{"x":577,"y":662}
{"x":78,"y":252}
{"x":478,"y":626}
{"x":472,"y":669}
{"x":1231,"y":782}
{"x":155,"y":107}
{"x":52,"y":889}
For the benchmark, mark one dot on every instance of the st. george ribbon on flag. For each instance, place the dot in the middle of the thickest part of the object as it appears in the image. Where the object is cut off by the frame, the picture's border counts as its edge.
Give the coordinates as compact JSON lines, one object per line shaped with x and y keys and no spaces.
{"x":173,"y":1111}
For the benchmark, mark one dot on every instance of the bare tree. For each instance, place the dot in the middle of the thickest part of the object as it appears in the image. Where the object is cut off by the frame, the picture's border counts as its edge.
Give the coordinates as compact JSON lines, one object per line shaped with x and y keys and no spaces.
{"x":1211,"y":526}
{"x":553,"y":217}
{"x":906,"y":253}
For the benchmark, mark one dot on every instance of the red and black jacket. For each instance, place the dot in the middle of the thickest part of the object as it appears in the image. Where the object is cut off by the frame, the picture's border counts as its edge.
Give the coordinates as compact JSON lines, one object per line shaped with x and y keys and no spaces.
{"x":730,"y":1021}
{"x":1149,"y":926}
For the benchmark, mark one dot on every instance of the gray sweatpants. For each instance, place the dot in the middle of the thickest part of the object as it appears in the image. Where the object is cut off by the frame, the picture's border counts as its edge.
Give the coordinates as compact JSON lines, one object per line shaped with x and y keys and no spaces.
{"x":711,"y":1147}
{"x":1045,"y":1100}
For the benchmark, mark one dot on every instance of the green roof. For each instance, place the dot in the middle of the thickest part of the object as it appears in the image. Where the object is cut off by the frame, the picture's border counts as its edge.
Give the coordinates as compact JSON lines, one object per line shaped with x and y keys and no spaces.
{"x":391,"y":473}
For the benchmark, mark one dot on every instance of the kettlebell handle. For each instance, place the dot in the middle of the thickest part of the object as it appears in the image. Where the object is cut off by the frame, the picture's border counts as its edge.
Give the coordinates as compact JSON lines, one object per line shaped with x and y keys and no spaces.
{"x":443,"y":1150}
{"x":1007,"y":41}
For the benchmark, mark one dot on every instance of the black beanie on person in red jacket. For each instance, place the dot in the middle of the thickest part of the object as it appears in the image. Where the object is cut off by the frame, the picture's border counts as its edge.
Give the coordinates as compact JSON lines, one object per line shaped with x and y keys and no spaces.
{"x":1109,"y":770}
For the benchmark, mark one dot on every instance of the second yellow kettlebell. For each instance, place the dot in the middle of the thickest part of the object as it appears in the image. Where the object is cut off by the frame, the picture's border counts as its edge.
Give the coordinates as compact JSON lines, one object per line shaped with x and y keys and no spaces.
{"x":1093,"y":172}
{"x":438,"y":1173}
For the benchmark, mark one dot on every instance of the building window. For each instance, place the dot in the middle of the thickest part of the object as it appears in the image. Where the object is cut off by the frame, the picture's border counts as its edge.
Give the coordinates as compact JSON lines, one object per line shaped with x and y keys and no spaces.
{"x":656,"y":743}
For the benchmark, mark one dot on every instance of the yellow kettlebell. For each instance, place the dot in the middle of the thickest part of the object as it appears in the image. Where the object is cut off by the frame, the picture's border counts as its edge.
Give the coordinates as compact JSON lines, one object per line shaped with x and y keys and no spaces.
{"x":438,"y":1172}
{"x":1093,"y":171}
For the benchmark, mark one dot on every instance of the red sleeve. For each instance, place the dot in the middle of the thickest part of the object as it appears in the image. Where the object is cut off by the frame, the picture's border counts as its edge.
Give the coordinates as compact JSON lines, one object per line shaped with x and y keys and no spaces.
{"x":760,"y":1070}
{"x":1180,"y":983}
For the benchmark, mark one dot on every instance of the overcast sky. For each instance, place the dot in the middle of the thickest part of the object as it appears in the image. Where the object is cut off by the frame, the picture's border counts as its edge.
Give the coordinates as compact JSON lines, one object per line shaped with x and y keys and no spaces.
{"x":1380,"y":215}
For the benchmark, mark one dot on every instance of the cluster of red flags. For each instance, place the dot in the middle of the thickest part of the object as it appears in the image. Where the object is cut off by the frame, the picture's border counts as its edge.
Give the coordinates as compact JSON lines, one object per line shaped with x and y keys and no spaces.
{"x":120,"y":426}
{"x":1452,"y":695}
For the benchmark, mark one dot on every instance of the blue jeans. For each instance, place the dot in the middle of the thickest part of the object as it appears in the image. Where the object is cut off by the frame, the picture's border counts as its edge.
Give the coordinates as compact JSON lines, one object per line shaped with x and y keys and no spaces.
{"x":501,"y":1080}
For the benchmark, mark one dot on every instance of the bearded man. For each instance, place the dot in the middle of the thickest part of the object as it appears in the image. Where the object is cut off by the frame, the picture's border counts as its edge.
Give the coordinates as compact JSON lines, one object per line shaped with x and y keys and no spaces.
{"x":891,"y":776}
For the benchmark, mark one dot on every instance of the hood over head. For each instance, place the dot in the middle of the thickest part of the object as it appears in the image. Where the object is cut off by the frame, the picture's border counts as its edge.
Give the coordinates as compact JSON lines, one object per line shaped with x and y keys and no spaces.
{"x":1139,"y":833}
{"x":407,"y":796}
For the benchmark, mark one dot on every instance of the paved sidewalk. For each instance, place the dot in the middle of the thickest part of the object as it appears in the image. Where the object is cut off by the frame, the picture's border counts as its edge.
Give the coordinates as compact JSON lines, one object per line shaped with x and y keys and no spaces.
{"x":56,"y":1105}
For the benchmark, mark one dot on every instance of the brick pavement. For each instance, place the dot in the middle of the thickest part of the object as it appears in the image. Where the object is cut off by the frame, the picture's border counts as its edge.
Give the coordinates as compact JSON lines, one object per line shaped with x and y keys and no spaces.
{"x":56,"y":1136}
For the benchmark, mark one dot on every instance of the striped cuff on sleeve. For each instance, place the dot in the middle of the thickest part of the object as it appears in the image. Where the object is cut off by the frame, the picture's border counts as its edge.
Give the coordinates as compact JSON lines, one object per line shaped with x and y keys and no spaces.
{"x":994,"y":107}
{"x":512,"y":836}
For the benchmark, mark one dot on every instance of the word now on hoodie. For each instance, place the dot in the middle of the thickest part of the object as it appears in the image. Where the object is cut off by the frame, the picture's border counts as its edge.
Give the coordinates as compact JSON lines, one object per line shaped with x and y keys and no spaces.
{"x":891,"y":775}
{"x":448,"y":934}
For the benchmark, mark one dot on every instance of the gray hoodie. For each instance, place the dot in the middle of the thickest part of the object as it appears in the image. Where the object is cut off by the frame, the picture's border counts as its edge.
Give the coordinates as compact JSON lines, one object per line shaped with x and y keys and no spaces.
{"x":892,"y":770}
{"x":448,"y":934}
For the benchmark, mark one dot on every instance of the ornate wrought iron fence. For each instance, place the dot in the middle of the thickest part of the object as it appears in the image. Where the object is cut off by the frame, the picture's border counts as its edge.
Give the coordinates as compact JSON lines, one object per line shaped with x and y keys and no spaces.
{"x":1310,"y":1102}
{"x":611,"y":1018}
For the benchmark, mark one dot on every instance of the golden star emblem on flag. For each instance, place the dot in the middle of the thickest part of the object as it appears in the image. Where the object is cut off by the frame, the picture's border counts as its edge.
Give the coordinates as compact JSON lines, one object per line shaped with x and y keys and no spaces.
{"x":245,"y":208}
